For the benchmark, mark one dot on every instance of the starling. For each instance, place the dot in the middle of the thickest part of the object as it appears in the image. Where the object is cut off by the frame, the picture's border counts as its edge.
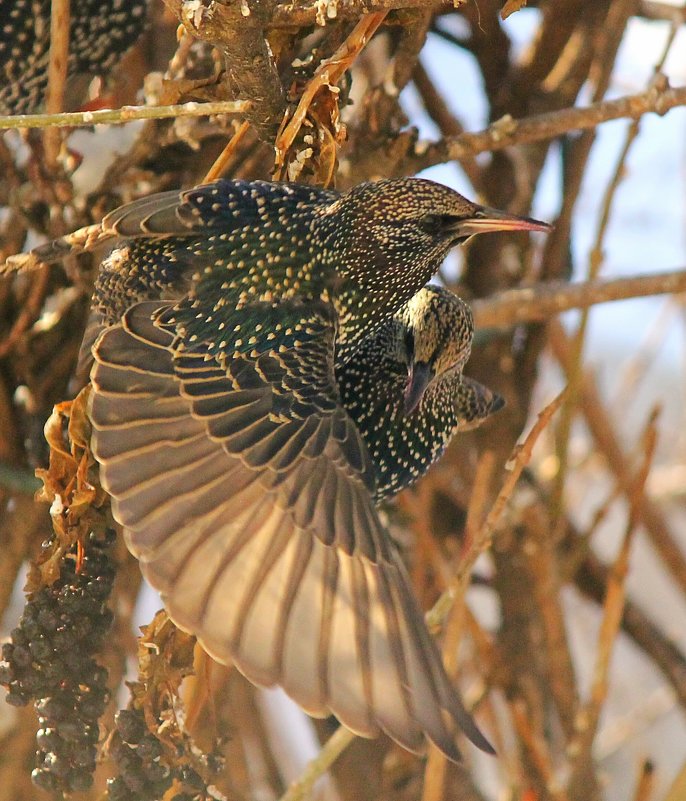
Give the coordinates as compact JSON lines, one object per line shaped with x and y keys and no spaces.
{"x":405,"y":390}
{"x":244,"y":487}
{"x":100,"y":32}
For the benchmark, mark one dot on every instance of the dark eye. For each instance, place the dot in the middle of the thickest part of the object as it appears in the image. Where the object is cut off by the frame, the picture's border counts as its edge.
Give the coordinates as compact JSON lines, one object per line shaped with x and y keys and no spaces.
{"x":436,"y":224}
{"x":409,"y":344}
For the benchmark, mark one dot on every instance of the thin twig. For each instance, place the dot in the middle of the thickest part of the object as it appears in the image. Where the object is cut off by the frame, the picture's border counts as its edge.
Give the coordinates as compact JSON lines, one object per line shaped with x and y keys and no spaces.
{"x":540,"y":302}
{"x":520,"y":457}
{"x":57,"y":75}
{"x":536,"y":750}
{"x":613,"y":609}
{"x":607,"y":441}
{"x":217,"y":169}
{"x":436,"y":764}
{"x":30,"y":310}
{"x":330,"y":752}
{"x":506,"y":132}
{"x":644,"y":355}
{"x":646,"y":782}
{"x":677,"y":790}
{"x":119,"y":116}
{"x":595,"y":261}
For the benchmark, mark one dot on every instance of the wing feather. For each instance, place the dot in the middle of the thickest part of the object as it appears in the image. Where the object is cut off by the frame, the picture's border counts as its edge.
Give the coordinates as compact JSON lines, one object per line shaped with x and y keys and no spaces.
{"x":250,"y":510}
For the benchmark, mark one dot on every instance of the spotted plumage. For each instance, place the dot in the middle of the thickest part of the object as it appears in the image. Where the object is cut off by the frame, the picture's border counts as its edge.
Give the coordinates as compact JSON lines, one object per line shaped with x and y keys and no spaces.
{"x":242,"y":483}
{"x":416,"y":358}
{"x":100,"y":32}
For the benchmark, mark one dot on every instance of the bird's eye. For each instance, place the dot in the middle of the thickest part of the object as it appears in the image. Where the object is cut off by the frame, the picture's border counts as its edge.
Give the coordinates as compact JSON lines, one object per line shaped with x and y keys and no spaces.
{"x":435,"y":224}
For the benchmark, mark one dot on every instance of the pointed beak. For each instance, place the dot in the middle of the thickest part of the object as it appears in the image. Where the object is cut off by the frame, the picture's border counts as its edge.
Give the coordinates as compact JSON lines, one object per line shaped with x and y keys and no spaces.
{"x":485,"y":220}
{"x":419,"y":376}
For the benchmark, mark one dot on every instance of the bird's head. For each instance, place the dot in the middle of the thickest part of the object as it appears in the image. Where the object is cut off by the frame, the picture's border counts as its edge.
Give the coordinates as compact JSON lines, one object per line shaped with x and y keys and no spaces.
{"x":408,"y":225}
{"x":434,"y":335}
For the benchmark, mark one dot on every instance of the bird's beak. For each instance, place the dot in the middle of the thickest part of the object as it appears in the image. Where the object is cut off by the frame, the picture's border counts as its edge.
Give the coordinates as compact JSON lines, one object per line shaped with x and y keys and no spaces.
{"x":485,"y":220}
{"x":419,"y":376}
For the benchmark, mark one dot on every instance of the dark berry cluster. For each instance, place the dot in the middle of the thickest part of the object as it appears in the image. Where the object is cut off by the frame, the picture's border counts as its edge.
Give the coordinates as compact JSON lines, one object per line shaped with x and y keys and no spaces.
{"x":144,"y":773}
{"x":50,"y":659}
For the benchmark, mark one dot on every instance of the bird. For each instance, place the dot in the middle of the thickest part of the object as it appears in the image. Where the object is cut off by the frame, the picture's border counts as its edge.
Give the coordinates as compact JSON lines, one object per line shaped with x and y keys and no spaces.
{"x":100,"y":32}
{"x":406,"y":392}
{"x":243,"y":486}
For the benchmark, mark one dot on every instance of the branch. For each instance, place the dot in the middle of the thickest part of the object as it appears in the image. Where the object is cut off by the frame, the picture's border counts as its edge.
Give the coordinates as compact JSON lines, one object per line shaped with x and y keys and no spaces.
{"x":521,"y":455}
{"x":302,"y":15}
{"x":591,"y":579}
{"x":505,"y":132}
{"x":604,"y":432}
{"x":331,"y":750}
{"x":540,"y":302}
{"x":237,"y":31}
{"x":588,"y":716}
{"x":118,"y":116}
{"x":57,"y":74}
{"x":651,"y":9}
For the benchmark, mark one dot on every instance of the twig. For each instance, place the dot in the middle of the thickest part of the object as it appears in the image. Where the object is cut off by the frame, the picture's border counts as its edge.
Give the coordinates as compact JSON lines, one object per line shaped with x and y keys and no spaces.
{"x":330,"y":752}
{"x":57,"y":75}
{"x":607,"y":442}
{"x":436,"y":764}
{"x":536,"y":750}
{"x":646,"y":781}
{"x":540,"y":302}
{"x":652,"y":9}
{"x":595,"y":261}
{"x":520,"y":457}
{"x":591,"y":578}
{"x":447,"y":123}
{"x":80,"y":119}
{"x":226,"y":155}
{"x":506,"y":132}
{"x":30,"y":309}
{"x":613,"y":609}
{"x":677,"y":790}
{"x":644,"y":355}
{"x":540,"y":552}
{"x":594,"y":265}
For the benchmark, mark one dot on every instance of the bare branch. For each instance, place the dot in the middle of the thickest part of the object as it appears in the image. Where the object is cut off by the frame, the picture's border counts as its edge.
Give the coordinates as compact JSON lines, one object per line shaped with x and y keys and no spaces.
{"x":118,"y":116}
{"x":607,"y":442}
{"x":237,"y":31}
{"x":57,"y":74}
{"x":540,"y":302}
{"x":506,"y":132}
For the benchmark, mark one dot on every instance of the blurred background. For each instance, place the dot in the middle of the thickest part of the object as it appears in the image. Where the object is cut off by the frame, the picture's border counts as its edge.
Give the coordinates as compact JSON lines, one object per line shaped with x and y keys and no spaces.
{"x":571,"y":645}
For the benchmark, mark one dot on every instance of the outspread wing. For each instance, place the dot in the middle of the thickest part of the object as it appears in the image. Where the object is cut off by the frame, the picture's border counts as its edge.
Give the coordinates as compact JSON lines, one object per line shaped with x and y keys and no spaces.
{"x":217,"y":206}
{"x":245,"y":490}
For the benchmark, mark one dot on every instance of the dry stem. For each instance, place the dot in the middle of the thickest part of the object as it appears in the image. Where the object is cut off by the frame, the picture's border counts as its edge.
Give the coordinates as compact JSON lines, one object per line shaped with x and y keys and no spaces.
{"x":119,"y":116}
{"x":540,"y":302}
{"x":57,"y":75}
